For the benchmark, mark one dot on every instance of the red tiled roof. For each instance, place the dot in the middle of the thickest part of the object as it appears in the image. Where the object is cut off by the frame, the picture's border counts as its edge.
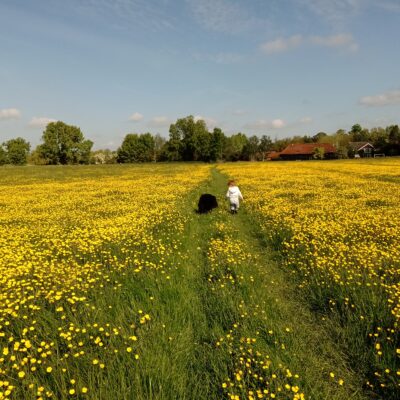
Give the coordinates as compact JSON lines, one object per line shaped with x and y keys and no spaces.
{"x":308,"y":148}
{"x":273,"y":154}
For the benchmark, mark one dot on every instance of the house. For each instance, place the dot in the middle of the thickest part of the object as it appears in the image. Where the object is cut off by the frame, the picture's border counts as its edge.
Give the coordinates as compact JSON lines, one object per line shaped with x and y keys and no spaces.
{"x":308,"y":151}
{"x":272,"y":155}
{"x":361,"y":149}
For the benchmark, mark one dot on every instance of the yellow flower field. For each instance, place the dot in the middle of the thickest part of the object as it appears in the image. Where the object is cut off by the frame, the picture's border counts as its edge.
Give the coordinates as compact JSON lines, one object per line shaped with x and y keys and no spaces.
{"x":64,"y":238}
{"x":112,"y":287}
{"x":338,"y":227}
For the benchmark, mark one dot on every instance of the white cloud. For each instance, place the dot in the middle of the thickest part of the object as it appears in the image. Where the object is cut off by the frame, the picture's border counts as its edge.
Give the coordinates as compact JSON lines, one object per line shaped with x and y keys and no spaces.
{"x":266,"y":124}
{"x":335,"y":11}
{"x":10,"y":113}
{"x":278,"y":123}
{"x":343,"y":40}
{"x":136,"y":117}
{"x":338,"y":12}
{"x":281,"y":44}
{"x":160,"y":122}
{"x":153,"y":14}
{"x":306,"y":120}
{"x":384,"y":99}
{"x":210,"y":122}
{"x":40,"y":122}
{"x":239,"y":112}
{"x":223,"y":16}
{"x":219,"y":58}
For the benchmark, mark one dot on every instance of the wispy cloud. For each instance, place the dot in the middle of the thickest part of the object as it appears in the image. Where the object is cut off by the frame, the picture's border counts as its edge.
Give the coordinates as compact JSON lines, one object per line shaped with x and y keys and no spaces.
{"x":220,"y":58}
{"x":306,"y":120}
{"x":334,"y":11}
{"x":344,"y":41}
{"x":389,"y":5}
{"x":40,"y":122}
{"x":340,"y":11}
{"x":136,"y":117}
{"x":384,"y":99}
{"x":239,"y":112}
{"x":150,"y":14}
{"x":282,"y":44}
{"x":10,"y":113}
{"x":266,"y":124}
{"x":160,"y":122}
{"x":223,"y":15}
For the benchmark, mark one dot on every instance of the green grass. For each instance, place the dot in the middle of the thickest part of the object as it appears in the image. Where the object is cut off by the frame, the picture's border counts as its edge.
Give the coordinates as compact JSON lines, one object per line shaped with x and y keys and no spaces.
{"x":179,"y":355}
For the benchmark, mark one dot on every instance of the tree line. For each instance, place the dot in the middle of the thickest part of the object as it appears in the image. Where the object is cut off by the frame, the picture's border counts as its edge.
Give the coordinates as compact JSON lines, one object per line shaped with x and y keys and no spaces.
{"x":189,"y":140}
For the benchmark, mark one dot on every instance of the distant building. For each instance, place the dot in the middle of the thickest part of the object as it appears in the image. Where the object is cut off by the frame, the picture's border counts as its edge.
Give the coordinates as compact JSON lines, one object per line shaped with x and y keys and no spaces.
{"x":361,"y":149}
{"x":307,"y":151}
{"x":272,"y":155}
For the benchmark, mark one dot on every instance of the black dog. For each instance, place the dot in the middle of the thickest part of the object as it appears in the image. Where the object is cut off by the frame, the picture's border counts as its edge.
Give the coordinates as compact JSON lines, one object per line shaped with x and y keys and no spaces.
{"x":206,"y":203}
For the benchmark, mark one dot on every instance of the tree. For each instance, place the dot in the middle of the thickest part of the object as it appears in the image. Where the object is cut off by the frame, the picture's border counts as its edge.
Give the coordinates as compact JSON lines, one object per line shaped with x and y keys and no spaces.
{"x":17,"y":150}
{"x":379,"y":138}
{"x":394,"y":134}
{"x":103,"y":157}
{"x":319,"y":153}
{"x":265,"y":145}
{"x":36,"y":158}
{"x":319,"y":137}
{"x":136,"y":148}
{"x":359,"y":134}
{"x":234,"y":147}
{"x":393,"y":147}
{"x":217,"y":144}
{"x":64,"y":144}
{"x":3,"y":156}
{"x":159,"y":144}
{"x":250,"y":149}
{"x":172,"y":150}
{"x":193,"y":137}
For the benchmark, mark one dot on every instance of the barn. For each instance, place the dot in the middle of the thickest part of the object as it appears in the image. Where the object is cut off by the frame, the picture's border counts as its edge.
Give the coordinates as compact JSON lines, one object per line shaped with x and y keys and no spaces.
{"x":307,"y":151}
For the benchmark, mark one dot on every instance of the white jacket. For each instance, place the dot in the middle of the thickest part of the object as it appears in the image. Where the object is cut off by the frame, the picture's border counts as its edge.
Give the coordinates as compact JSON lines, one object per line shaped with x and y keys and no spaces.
{"x":234,"y":194}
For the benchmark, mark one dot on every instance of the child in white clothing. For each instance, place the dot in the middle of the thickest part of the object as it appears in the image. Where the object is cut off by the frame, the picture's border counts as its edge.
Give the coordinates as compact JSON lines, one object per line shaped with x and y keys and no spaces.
{"x":233,"y":194}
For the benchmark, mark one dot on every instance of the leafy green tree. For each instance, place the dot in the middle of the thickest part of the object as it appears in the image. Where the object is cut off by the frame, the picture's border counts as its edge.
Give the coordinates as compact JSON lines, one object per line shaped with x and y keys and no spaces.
{"x":194,"y":139}
{"x":359,"y":134}
{"x":64,"y":144}
{"x":17,"y":151}
{"x":172,"y":150}
{"x":265,"y":146}
{"x":159,"y":145}
{"x":3,"y":156}
{"x":379,"y":137}
{"x":234,"y":147}
{"x":319,"y":137}
{"x":250,"y":149}
{"x":319,"y":153}
{"x":217,"y":144}
{"x":103,"y":157}
{"x":36,"y":158}
{"x":393,"y":147}
{"x":136,"y":148}
{"x":394,"y":134}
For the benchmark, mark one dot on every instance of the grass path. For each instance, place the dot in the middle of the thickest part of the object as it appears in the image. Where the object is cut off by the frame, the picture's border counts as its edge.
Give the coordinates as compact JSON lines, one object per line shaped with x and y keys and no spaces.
{"x":224,"y":328}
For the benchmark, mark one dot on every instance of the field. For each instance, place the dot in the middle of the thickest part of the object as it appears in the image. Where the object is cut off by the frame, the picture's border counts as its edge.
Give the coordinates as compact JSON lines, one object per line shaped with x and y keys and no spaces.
{"x":112,"y":287}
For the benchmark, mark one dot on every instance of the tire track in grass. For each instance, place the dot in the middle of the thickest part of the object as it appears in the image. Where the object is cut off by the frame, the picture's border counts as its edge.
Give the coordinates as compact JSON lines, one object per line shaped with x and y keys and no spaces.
{"x":272,"y":346}
{"x":229,"y":324}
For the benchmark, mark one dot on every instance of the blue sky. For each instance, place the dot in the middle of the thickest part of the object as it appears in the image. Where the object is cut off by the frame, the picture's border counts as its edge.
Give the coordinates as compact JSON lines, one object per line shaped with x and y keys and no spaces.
{"x":275,"y":67}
